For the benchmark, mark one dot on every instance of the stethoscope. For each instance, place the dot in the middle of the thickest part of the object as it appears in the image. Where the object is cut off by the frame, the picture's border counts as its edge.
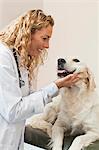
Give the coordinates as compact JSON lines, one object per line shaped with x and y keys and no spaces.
{"x":21,"y":82}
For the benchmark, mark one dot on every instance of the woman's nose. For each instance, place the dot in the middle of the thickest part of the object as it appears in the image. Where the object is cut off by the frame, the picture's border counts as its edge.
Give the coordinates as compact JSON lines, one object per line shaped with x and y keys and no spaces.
{"x":46,"y":45}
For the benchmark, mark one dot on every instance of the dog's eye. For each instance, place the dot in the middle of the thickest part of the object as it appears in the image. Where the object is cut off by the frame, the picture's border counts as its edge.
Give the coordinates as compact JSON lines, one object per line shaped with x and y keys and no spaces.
{"x":76,"y":60}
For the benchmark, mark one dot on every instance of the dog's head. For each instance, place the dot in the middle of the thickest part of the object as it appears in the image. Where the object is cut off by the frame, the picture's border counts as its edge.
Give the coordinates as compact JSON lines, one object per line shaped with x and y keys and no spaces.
{"x":65,"y":68}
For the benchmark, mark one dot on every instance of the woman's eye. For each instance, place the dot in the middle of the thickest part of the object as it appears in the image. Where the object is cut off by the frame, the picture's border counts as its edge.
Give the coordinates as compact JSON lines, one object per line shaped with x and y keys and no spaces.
{"x":44,"y":39}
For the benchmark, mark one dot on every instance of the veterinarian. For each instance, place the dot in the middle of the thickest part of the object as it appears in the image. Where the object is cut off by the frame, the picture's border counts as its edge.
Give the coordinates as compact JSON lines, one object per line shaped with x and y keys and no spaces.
{"x":23,"y":48}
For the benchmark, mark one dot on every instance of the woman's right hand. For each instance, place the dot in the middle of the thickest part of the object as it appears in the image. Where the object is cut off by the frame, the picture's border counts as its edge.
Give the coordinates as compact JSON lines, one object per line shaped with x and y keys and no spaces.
{"x":67,"y":81}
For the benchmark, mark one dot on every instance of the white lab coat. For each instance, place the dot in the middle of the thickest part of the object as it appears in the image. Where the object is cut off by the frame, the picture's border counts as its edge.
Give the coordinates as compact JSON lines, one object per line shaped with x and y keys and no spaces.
{"x":16,"y":104}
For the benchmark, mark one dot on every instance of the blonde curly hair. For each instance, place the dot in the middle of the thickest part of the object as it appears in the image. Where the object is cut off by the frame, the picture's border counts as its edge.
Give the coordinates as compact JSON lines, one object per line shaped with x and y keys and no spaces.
{"x":17,"y":35}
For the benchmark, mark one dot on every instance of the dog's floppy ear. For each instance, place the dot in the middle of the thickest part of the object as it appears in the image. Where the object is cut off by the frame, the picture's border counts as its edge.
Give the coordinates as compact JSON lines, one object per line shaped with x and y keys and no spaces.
{"x":91,"y":82}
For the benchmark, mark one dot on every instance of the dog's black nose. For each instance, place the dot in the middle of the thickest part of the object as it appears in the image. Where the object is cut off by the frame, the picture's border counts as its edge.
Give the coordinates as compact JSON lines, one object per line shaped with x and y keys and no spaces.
{"x":61,"y":61}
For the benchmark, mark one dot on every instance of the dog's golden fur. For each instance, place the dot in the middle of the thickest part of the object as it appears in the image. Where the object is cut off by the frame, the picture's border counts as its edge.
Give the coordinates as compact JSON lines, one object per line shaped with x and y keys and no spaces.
{"x":75,"y":109}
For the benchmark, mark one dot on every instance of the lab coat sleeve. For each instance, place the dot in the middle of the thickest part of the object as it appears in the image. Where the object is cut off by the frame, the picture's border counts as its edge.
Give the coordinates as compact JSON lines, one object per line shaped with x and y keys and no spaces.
{"x":14,"y":107}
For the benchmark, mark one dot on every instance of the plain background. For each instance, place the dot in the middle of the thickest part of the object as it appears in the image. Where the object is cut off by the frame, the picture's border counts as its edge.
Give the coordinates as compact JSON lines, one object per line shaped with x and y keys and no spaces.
{"x":76,"y":31}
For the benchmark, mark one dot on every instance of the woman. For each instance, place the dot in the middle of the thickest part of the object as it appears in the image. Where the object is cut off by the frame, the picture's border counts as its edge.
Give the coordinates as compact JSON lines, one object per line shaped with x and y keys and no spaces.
{"x":22,"y":49}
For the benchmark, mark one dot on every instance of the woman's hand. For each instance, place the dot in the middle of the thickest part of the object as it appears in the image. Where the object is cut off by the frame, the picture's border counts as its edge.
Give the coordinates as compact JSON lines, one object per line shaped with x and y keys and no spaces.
{"x":67,"y":81}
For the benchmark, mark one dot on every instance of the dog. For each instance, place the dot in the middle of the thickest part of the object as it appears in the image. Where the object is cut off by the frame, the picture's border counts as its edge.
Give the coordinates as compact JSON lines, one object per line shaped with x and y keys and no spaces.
{"x":75,"y":110}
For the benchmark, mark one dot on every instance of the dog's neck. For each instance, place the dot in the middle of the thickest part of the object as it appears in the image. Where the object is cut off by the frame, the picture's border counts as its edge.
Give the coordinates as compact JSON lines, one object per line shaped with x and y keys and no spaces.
{"x":74,"y":91}
{"x":75,"y":94}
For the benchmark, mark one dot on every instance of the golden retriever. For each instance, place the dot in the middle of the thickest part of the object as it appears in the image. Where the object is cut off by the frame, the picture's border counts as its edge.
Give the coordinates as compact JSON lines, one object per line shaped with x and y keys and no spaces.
{"x":75,"y":110}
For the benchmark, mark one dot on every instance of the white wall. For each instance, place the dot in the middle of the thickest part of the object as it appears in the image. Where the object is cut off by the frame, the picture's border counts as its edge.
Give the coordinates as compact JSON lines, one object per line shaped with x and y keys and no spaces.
{"x":10,"y":9}
{"x":75,"y":34}
{"x":98,"y":41}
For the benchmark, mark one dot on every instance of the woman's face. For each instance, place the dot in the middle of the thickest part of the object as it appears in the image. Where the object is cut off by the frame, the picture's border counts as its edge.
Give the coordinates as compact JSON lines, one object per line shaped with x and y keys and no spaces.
{"x":40,"y":41}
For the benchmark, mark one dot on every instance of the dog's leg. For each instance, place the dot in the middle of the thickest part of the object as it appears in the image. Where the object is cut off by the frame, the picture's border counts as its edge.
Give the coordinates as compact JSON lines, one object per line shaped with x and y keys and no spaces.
{"x":45,"y":120}
{"x":57,"y":137}
{"x":83,"y":141}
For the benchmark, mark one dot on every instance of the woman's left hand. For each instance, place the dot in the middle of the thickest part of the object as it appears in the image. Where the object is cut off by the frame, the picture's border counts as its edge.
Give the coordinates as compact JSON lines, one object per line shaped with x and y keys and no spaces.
{"x":67,"y":81}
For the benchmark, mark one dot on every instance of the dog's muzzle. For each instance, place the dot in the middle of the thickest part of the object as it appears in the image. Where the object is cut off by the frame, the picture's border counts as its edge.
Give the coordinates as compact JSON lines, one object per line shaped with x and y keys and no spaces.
{"x":61,"y":71}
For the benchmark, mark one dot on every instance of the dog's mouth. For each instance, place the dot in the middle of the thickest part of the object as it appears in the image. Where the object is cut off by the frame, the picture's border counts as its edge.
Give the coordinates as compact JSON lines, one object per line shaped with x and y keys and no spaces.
{"x":63,"y":72}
